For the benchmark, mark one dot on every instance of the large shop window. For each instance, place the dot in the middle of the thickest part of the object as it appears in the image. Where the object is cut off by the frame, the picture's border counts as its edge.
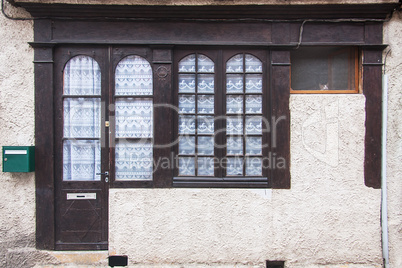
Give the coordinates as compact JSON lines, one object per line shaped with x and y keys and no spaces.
{"x":218,"y":124}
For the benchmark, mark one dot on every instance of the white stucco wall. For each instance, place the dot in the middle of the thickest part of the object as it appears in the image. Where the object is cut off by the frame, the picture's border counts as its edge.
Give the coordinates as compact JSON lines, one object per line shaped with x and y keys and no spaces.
{"x":327,"y":219}
{"x":17,"y":190}
{"x":393,"y":37}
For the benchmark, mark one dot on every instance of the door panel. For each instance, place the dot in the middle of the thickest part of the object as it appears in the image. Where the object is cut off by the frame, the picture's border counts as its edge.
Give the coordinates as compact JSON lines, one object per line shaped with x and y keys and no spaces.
{"x":81,"y":216}
{"x":82,"y":148}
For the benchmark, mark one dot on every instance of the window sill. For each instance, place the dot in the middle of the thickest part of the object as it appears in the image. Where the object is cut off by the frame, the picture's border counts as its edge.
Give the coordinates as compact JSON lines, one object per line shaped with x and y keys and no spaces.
{"x":226,"y":182}
{"x":295,"y":91}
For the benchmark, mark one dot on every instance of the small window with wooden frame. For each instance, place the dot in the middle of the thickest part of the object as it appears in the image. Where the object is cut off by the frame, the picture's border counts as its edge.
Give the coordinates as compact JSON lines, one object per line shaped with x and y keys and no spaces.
{"x":325,"y":70}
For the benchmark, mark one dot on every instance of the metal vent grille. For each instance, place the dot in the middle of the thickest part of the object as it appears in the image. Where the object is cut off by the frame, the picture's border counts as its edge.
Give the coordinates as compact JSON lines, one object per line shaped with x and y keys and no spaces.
{"x":118,"y":260}
{"x":275,"y":264}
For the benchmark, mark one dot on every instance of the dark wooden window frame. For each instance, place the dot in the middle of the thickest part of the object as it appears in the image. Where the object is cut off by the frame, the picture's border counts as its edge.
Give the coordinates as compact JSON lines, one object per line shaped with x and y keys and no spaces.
{"x":277,"y":30}
{"x":219,"y":56}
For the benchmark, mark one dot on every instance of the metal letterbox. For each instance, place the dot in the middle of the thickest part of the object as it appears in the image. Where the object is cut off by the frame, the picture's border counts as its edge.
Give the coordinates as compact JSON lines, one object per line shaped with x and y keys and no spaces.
{"x":18,"y":158}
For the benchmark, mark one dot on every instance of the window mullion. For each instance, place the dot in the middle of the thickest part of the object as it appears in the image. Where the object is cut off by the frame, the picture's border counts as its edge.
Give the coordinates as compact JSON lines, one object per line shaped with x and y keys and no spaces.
{"x":196,"y":117}
{"x":220,"y":92}
{"x":244,"y":114}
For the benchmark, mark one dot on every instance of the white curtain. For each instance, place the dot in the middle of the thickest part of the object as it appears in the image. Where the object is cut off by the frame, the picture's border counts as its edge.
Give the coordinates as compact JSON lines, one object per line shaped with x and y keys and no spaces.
{"x":198,"y":121}
{"x":134,"y":119}
{"x":81,"y":154}
{"x":244,"y":75}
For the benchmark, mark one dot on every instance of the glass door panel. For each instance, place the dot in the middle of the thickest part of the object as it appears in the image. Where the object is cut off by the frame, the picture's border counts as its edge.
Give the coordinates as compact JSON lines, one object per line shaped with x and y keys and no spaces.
{"x":81,"y":120}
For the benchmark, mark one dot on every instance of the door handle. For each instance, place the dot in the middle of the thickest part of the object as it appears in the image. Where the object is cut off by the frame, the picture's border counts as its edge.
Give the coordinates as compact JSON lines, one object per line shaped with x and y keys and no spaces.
{"x":106,"y":173}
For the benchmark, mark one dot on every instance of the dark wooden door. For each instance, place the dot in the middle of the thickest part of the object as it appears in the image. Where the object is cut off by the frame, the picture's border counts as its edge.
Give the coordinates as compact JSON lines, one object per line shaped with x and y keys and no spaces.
{"x":104,"y":99}
{"x":82,"y":148}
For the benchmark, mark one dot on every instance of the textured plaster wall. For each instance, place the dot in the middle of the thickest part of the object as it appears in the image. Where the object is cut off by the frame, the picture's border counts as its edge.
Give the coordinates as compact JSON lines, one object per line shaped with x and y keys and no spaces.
{"x":17,"y":190}
{"x":327,"y":217}
{"x":393,"y":37}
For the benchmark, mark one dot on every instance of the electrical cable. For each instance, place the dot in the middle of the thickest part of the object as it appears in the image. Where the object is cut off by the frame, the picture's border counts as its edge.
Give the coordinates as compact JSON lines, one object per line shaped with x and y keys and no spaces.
{"x":9,"y":17}
{"x":300,"y":34}
{"x":385,"y":61}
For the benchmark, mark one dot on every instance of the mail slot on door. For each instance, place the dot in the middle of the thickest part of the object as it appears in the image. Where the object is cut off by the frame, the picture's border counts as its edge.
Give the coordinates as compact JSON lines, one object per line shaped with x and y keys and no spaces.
{"x":18,"y":158}
{"x":77,"y":196}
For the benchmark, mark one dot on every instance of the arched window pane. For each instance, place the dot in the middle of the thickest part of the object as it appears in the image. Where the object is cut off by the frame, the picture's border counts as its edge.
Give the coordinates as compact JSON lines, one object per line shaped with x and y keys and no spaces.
{"x":205,"y":64}
{"x":82,"y":76}
{"x":187,"y":64}
{"x":235,"y":64}
{"x":133,"y":76}
{"x":253,"y":65}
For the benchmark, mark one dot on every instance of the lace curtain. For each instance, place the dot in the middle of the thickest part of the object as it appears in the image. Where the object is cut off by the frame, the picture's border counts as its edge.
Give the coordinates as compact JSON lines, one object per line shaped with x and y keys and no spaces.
{"x":194,"y":122}
{"x":244,"y":125}
{"x":134,"y":119}
{"x":244,"y":100}
{"x":82,"y":118}
{"x":81,"y":112}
